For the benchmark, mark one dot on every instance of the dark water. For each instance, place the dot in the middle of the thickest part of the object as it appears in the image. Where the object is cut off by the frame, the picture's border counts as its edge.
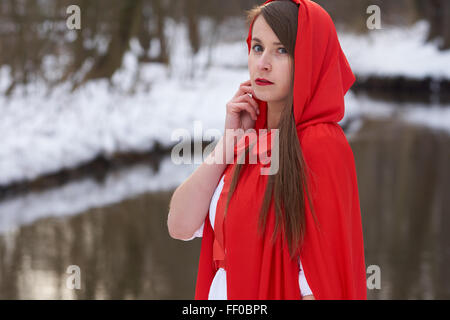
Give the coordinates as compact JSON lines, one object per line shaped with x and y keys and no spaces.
{"x":123,"y":250}
{"x":404,"y":182}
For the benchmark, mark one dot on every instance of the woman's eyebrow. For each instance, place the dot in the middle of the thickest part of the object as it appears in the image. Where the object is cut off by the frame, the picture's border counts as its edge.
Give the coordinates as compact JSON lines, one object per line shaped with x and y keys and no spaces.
{"x":257,"y":40}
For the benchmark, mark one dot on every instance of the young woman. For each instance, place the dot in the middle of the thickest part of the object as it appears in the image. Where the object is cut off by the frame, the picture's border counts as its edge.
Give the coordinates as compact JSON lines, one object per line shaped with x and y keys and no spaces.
{"x":294,"y":234}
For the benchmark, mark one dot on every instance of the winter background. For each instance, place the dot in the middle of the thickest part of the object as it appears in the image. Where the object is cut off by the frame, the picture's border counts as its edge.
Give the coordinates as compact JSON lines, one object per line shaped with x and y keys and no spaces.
{"x":100,"y":153}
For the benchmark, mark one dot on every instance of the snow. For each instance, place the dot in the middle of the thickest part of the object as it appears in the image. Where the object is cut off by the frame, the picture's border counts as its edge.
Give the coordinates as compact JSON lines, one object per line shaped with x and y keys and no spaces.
{"x":43,"y":132}
{"x":396,"y":51}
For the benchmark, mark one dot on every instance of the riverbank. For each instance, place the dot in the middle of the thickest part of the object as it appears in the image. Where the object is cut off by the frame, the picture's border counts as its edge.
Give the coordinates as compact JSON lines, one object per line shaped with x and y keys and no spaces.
{"x":50,"y":135}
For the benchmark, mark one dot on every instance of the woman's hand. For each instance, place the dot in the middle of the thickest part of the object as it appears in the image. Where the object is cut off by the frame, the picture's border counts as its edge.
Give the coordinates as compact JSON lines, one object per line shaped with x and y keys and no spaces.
{"x":309,"y":297}
{"x":242,"y":110}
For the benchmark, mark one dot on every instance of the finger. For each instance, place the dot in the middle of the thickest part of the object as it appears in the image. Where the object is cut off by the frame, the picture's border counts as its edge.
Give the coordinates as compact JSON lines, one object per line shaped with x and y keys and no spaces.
{"x":246,"y":97}
{"x":247,"y":89}
{"x":240,"y":89}
{"x":239,"y":106}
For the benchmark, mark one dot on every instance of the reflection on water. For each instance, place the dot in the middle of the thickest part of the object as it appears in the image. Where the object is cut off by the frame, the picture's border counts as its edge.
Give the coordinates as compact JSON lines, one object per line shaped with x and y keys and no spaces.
{"x":115,"y":231}
{"x":123,"y":249}
{"x":404,"y":178}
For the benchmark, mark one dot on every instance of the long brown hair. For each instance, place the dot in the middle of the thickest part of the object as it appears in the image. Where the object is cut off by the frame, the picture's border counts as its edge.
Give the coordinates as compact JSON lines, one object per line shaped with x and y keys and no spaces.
{"x":285,"y":186}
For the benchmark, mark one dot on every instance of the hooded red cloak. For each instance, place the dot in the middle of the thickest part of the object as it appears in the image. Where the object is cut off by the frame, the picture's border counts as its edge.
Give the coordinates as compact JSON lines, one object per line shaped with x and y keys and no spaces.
{"x":332,"y":256}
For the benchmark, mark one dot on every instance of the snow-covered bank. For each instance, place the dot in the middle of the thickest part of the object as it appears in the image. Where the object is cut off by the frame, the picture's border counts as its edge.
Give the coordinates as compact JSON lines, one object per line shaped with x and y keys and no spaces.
{"x":396,"y":51}
{"x":42,"y":133}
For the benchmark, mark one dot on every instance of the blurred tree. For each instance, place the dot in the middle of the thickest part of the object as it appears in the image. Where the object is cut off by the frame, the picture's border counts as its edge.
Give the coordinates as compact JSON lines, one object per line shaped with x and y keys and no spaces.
{"x":152,"y":27}
{"x":33,"y":33}
{"x":437,"y":12}
{"x":192,"y":8}
{"x":129,"y":17}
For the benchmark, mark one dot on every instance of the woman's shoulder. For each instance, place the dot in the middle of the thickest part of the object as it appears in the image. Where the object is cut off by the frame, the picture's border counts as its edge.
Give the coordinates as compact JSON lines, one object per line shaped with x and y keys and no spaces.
{"x":324,"y":132}
{"x":326,"y":141}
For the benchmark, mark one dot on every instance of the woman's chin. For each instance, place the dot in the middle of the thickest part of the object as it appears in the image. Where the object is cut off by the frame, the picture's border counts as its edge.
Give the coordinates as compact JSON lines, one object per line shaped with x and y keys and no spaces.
{"x":263,"y":96}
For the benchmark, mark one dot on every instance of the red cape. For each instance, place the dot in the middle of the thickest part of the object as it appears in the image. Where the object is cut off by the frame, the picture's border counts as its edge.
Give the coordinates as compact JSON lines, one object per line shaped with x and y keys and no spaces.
{"x":332,"y":257}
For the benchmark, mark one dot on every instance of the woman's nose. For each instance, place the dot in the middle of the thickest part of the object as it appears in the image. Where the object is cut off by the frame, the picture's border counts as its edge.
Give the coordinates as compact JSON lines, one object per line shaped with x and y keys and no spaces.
{"x":264,"y":63}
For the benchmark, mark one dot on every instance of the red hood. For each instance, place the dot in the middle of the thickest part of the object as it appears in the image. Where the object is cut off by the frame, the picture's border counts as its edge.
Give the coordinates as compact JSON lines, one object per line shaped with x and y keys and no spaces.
{"x":322,"y":73}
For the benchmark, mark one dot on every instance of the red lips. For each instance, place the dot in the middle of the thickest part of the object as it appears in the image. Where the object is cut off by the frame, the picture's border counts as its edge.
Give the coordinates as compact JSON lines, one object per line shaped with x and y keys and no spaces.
{"x":263,"y":82}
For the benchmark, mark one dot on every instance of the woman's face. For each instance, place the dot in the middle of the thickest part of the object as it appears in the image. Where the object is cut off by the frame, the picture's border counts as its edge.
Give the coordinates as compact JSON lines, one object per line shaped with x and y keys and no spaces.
{"x":269,"y":59}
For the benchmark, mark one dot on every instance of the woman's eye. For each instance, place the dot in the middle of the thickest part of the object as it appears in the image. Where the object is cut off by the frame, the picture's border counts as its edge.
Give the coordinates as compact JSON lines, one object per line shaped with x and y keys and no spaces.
{"x":256,"y":45}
